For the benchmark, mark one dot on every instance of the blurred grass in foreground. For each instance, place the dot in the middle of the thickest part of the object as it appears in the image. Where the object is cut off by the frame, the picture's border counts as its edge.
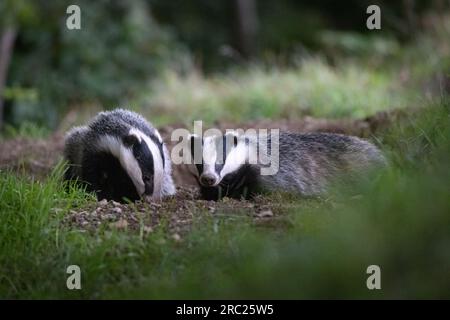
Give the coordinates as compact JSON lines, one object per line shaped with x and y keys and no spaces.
{"x":400,"y":221}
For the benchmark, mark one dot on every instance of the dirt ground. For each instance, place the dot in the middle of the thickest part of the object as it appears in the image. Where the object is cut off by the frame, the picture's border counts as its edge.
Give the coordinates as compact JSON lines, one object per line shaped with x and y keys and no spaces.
{"x":37,"y":157}
{"x":175,"y":215}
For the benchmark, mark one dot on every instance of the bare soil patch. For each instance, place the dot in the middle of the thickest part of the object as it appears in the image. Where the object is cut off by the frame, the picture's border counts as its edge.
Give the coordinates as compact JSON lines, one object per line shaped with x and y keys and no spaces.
{"x":175,"y":215}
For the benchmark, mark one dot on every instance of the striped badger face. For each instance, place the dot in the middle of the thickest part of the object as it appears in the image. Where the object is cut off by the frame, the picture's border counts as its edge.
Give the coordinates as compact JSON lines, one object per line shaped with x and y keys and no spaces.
{"x":216,"y":158}
{"x":139,"y":168}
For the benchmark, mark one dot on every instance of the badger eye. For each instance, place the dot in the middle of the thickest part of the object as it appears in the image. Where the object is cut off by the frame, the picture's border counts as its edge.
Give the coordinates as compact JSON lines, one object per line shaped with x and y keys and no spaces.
{"x":147,"y":179}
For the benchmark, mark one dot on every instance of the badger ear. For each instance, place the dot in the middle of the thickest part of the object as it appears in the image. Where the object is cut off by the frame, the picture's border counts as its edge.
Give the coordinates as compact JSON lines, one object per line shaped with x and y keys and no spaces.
{"x":130,"y":140}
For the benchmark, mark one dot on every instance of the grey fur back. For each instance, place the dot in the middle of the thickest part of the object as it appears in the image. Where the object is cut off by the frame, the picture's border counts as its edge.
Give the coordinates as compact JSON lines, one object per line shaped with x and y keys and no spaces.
{"x":309,"y":162}
{"x":118,"y":122}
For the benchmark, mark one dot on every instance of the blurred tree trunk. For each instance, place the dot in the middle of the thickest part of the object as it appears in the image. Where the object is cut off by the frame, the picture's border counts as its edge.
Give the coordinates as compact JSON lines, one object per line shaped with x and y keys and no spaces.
{"x":246,"y":26}
{"x":6,"y":49}
{"x":408,"y":6}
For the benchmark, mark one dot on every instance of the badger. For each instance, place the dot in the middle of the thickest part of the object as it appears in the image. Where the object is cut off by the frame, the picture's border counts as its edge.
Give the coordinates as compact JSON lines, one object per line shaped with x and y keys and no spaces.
{"x":306,"y":163}
{"x":119,"y":156}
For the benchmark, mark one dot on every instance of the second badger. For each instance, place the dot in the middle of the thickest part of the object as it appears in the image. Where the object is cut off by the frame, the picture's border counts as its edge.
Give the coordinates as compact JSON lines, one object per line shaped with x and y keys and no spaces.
{"x":306,"y":163}
{"x":119,"y":156}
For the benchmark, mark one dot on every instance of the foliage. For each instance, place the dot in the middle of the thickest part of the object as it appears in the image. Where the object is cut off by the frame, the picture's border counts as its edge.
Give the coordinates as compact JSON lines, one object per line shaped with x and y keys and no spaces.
{"x":124,"y":45}
{"x":365,"y":75}
{"x":117,"y":49}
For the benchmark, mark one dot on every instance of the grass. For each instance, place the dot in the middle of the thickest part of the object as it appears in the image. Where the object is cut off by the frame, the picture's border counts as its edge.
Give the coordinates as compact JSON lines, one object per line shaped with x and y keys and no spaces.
{"x":399,"y":221}
{"x":313,"y":87}
{"x":26,"y":129}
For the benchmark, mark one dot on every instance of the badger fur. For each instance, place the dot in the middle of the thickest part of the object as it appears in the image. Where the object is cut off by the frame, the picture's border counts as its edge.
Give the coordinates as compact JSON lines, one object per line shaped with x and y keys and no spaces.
{"x":119,"y":156}
{"x":307,"y":163}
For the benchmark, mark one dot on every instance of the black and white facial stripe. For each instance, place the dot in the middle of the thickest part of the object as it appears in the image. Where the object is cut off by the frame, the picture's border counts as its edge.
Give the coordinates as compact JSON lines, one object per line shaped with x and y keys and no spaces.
{"x":119,"y":155}
{"x":141,"y":157}
{"x":215,"y":157}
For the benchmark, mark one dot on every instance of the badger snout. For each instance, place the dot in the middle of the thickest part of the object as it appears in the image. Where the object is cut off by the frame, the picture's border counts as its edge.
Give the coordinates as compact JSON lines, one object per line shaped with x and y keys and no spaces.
{"x":208,"y":180}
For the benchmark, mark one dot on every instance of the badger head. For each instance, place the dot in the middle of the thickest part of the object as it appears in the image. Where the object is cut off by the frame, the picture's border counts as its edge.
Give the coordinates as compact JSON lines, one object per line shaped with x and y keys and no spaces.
{"x":141,"y":160}
{"x":213,"y":159}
